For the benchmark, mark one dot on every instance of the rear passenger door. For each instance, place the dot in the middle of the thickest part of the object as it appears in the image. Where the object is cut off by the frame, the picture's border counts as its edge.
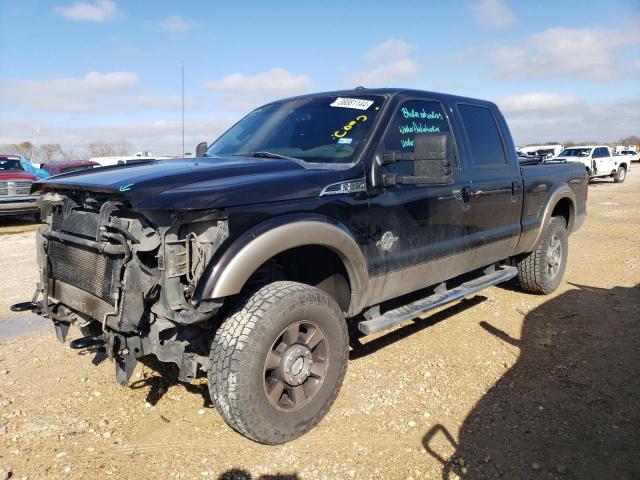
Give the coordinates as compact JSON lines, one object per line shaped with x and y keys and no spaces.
{"x":609,"y":161}
{"x":495,"y":190}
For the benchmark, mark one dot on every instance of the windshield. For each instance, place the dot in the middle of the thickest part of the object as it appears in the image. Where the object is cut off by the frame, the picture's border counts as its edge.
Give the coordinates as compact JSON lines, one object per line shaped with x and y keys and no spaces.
{"x":575,"y":152}
{"x":7,"y":164}
{"x":75,"y":169}
{"x":328,"y":129}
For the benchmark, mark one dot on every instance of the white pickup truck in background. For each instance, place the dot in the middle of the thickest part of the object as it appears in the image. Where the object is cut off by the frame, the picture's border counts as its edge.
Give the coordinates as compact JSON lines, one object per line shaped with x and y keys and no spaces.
{"x":599,"y":161}
{"x":633,"y":156}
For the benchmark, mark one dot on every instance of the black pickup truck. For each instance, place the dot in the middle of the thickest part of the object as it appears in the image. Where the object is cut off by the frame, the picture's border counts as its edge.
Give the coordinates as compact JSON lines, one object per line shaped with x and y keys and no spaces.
{"x":247,"y":262}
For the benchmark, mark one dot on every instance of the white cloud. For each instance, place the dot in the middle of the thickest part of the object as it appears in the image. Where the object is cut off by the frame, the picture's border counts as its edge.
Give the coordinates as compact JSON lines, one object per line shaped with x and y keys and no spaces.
{"x":492,"y":13}
{"x":240,"y":91}
{"x":70,"y":94}
{"x":276,"y":80}
{"x":536,"y":102}
{"x":565,"y":51}
{"x":172,"y":24}
{"x":389,"y":60}
{"x":606,"y":122}
{"x":99,"y":11}
{"x":171,"y":102}
{"x":388,"y":51}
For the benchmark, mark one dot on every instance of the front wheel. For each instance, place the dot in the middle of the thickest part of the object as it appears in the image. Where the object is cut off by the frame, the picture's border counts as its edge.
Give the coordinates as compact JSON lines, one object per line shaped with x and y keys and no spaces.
{"x":620,"y":175}
{"x":278,"y":362}
{"x":541,"y":271}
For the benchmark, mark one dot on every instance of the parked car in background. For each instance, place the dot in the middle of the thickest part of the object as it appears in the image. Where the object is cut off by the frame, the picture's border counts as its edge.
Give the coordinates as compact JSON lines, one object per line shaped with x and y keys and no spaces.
{"x":631,"y":155}
{"x":541,"y":151}
{"x":55,"y":168}
{"x":31,"y":168}
{"x":15,"y":188}
{"x":124,"y":160}
{"x":598,"y":160}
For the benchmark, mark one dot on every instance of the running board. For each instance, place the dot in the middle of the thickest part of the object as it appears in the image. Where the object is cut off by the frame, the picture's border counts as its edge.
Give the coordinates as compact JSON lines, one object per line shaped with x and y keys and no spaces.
{"x":398,"y":315}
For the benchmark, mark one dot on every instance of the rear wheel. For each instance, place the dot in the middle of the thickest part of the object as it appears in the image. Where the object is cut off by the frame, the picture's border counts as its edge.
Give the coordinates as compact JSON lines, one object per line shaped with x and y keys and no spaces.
{"x":620,"y":175}
{"x":278,"y":362}
{"x":541,"y":271}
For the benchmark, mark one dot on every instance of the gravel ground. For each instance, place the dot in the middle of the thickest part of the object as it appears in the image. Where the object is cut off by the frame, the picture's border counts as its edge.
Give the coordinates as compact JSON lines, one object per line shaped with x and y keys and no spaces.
{"x":503,"y":385}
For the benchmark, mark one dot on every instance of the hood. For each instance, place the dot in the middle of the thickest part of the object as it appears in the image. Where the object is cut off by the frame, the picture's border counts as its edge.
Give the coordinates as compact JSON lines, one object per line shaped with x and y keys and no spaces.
{"x":18,"y":176}
{"x":201,"y":183}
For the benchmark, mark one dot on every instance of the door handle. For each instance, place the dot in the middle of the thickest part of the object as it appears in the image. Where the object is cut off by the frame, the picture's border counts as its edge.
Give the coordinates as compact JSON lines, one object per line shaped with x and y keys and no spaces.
{"x":465,"y":198}
{"x":515,"y":191}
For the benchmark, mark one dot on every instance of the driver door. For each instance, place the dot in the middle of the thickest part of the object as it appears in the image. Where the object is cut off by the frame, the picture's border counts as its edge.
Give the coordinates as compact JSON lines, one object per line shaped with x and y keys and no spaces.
{"x":414,"y":227}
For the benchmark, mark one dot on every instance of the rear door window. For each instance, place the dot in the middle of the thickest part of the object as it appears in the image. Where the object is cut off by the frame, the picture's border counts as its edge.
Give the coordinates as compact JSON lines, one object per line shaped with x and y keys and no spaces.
{"x":485,"y":141}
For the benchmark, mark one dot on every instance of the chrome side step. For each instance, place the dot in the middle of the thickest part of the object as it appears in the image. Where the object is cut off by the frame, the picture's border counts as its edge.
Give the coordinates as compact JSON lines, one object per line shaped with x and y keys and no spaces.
{"x":398,"y":315}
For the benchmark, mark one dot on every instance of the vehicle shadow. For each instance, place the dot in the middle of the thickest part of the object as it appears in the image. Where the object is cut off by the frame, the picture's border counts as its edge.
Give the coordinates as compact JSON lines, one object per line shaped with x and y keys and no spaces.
{"x":568,"y":408}
{"x":17,"y":221}
{"x":597,"y":182}
{"x":167,"y":377}
{"x":240,"y":474}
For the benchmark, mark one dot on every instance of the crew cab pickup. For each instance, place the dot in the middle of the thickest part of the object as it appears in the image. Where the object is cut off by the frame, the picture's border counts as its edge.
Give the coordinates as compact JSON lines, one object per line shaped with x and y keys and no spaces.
{"x":15,"y":188}
{"x":247,"y":262}
{"x":598,"y":161}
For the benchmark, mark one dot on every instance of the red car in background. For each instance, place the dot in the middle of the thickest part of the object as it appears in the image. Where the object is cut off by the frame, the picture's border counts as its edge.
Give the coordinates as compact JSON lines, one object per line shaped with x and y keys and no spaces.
{"x":66,"y":166}
{"x":15,"y":188}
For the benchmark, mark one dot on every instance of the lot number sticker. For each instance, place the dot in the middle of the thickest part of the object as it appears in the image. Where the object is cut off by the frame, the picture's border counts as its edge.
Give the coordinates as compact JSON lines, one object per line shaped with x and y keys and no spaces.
{"x":357,"y":103}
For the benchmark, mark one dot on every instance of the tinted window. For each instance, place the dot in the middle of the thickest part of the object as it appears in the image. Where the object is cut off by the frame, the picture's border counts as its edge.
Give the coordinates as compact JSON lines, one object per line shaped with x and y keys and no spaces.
{"x":413,"y":119}
{"x":605,"y":152}
{"x":597,"y":153}
{"x":483,"y":134}
{"x":575,"y":152}
{"x":75,"y":169}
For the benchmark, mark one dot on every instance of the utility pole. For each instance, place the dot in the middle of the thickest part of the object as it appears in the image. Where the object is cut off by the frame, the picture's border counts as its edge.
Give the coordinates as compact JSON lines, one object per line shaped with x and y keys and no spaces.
{"x":36,"y":131}
{"x":183,"y":109}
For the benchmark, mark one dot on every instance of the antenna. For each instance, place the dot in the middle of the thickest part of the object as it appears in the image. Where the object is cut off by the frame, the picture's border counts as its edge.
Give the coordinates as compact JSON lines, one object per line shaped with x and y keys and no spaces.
{"x":183,"y":109}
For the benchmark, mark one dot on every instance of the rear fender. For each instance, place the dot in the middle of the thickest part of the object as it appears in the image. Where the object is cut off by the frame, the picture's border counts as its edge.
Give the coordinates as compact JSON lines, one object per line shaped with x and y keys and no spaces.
{"x":555,"y":196}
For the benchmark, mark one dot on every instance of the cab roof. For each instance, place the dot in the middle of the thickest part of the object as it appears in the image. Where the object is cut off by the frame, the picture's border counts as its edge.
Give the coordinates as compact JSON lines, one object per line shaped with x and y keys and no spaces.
{"x":391,"y":92}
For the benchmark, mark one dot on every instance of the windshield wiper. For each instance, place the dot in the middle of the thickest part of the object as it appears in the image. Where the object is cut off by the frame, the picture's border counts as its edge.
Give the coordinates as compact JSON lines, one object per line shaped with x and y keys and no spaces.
{"x":264,"y":154}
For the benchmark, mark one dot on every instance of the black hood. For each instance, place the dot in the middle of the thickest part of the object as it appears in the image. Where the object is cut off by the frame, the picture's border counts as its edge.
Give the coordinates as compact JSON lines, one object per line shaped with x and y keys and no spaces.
{"x":201,"y":183}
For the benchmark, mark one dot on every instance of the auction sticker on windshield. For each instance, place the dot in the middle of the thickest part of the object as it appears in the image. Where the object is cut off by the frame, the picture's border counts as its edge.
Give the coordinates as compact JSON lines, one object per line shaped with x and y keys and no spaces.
{"x":357,"y":103}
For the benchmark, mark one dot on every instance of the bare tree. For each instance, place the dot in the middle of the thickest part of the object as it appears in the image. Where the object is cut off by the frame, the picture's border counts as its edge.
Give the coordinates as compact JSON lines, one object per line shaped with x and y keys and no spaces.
{"x":75,"y":155}
{"x":631,"y":140}
{"x":25,"y":149}
{"x":49,"y":152}
{"x":108,"y":149}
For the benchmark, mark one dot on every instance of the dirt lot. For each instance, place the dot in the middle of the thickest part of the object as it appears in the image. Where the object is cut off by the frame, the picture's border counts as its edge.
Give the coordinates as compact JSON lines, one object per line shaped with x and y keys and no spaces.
{"x":505,"y":385}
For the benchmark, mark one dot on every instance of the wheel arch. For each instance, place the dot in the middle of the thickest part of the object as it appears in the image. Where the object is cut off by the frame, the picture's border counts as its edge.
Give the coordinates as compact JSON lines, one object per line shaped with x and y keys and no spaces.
{"x":280,"y":235}
{"x":561,"y":201}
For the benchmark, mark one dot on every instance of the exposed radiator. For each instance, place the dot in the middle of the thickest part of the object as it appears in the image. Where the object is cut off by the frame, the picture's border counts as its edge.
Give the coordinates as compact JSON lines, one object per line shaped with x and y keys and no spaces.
{"x":83,"y":268}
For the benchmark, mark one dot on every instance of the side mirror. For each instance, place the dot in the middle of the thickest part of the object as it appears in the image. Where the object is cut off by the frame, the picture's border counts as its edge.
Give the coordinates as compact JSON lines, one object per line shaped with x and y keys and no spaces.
{"x":201,"y":149}
{"x":432,"y":160}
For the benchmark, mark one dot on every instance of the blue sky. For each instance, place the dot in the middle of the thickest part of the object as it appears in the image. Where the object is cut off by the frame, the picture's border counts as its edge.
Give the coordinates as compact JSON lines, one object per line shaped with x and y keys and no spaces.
{"x":110,"y":69}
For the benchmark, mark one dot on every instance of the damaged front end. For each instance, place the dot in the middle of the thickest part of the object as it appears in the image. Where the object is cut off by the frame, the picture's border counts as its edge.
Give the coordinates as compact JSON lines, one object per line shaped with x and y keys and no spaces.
{"x":128,"y":278}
